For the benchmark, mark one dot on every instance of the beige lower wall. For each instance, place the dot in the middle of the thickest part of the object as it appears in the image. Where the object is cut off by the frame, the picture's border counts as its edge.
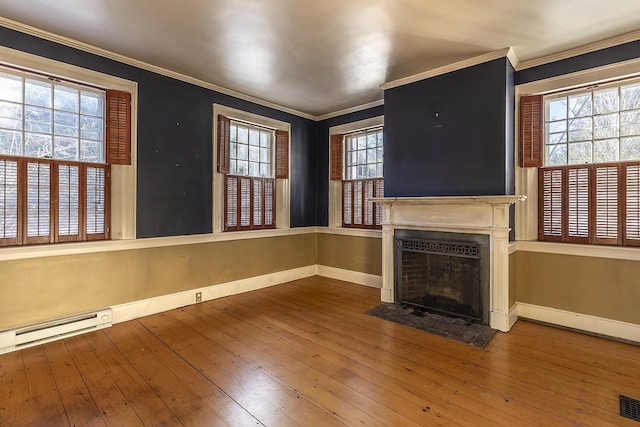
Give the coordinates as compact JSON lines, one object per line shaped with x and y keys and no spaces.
{"x":601,"y":287}
{"x":39,"y":289}
{"x":361,"y":254}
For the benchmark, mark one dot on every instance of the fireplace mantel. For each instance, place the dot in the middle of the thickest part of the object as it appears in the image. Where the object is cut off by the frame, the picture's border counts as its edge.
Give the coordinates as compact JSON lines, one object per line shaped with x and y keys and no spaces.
{"x":458,"y":214}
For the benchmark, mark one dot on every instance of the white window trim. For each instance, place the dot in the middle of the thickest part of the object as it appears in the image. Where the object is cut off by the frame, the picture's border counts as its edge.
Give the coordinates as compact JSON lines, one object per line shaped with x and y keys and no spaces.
{"x":527,"y":178}
{"x":123,"y":177}
{"x":282,"y":185}
{"x":335,"y":186}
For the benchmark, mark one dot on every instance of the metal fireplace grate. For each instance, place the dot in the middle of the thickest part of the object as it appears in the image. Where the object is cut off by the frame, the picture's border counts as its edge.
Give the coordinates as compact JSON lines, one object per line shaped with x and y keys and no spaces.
{"x":630,"y":408}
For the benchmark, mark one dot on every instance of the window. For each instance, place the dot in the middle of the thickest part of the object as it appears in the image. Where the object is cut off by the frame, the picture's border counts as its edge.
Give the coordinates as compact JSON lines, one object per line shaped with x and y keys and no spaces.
{"x":589,"y":185}
{"x":357,"y":160}
{"x":54,"y":178}
{"x":251,"y":158}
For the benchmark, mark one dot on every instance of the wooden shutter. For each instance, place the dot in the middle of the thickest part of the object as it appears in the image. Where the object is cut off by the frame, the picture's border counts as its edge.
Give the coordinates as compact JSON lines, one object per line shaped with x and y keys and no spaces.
{"x":379,"y":182}
{"x":39,"y":185}
{"x":632,"y":205}
{"x":282,"y":154}
{"x":578,"y":218}
{"x":531,"y":131}
{"x":231,"y":203}
{"x":10,"y":220}
{"x":606,"y":205}
{"x":368,"y":214}
{"x":118,"y":127}
{"x":347,"y":203}
{"x":97,"y":206}
{"x":69,"y":215}
{"x":224,"y":144}
{"x":550,"y":204}
{"x":336,"y":157}
{"x":269,"y":203}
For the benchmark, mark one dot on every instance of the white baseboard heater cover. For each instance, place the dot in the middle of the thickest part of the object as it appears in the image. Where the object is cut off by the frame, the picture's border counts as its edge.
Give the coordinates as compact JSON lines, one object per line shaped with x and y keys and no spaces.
{"x":44,"y":332}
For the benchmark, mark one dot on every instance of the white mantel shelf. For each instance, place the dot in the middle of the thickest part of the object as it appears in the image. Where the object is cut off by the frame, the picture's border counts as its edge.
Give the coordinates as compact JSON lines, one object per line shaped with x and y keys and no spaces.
{"x":458,"y":214}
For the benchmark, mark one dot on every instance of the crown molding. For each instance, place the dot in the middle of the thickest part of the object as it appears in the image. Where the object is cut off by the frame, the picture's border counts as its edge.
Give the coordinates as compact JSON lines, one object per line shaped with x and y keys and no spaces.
{"x":581,"y":50}
{"x":66,"y":41}
{"x":350,"y":110}
{"x":452,"y":67}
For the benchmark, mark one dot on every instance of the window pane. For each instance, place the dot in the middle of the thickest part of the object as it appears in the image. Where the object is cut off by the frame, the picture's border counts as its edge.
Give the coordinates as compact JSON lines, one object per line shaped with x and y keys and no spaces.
{"x":557,"y":138}
{"x":254,"y":153}
{"x":65,"y":124}
{"x":91,"y":104}
{"x":37,"y":145}
{"x":580,"y":152}
{"x":66,"y":99}
{"x":233,"y":167}
{"x":265,"y":155}
{"x":630,"y":123}
{"x":37,"y":119}
{"x":66,"y":148}
{"x":580,"y":105}
{"x":243,"y":167}
{"x":10,"y":115}
{"x":630,"y":148}
{"x":243,"y":135}
{"x":605,"y":126}
{"x":265,"y":170}
{"x":254,"y":137}
{"x":37,"y":93}
{"x":254,"y":169}
{"x":362,"y":142}
{"x":10,"y":142}
{"x":557,"y":154}
{"x":10,"y":87}
{"x":553,"y":127}
{"x":630,"y":96}
{"x":91,"y":151}
{"x":580,"y":129}
{"x":371,"y":155}
{"x":556,"y":109}
{"x":265,"y":139}
{"x":243,"y":152}
{"x":91,"y":128}
{"x":605,"y":101}
{"x":371,"y":171}
{"x":371,"y":140}
{"x":606,"y":150}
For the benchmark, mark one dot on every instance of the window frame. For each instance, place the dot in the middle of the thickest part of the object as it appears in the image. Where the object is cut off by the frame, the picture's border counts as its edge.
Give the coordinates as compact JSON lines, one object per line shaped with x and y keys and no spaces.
{"x":123,"y":177}
{"x":527,"y":180}
{"x":282,"y":185}
{"x":336,"y":186}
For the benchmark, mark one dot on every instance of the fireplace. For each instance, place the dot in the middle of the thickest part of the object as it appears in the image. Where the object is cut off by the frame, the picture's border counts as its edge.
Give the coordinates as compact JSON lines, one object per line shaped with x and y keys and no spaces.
{"x":443,"y":272}
{"x":453,"y":220}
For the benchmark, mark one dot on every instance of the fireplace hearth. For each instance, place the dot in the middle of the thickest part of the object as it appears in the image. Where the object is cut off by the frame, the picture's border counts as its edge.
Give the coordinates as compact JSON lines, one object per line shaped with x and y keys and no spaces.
{"x":441,"y":272}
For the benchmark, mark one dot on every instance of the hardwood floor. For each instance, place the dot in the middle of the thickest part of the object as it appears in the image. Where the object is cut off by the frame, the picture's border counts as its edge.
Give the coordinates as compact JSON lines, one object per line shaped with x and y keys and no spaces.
{"x":304,"y":353}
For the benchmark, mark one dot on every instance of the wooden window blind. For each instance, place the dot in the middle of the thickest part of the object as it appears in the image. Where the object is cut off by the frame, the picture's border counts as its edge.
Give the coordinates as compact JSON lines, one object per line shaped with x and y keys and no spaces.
{"x":282,"y":154}
{"x":118,"y":120}
{"x":47,"y":201}
{"x":336,"y":157}
{"x":357,"y":210}
{"x":10,"y":220}
{"x":224,"y":144}
{"x":249,"y":203}
{"x":597,"y":203}
{"x":531,"y":131}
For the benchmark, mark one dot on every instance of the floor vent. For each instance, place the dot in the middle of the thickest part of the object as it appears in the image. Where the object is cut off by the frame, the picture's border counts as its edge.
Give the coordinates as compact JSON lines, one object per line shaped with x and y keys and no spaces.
{"x":630,"y":408}
{"x":54,"y":330}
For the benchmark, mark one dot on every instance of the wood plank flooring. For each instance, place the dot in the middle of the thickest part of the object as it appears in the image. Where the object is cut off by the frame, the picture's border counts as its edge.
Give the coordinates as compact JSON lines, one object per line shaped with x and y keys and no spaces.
{"x":305,"y":354}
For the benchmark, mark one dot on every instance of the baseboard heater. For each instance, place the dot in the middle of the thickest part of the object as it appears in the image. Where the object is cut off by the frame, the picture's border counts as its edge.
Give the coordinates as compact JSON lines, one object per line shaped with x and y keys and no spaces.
{"x":52,"y":330}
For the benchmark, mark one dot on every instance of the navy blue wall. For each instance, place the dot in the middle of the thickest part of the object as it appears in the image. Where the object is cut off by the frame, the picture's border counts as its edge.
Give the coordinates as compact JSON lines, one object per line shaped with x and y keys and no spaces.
{"x":586,"y":61}
{"x":322,"y":156}
{"x":447,"y":135}
{"x":175,"y":144}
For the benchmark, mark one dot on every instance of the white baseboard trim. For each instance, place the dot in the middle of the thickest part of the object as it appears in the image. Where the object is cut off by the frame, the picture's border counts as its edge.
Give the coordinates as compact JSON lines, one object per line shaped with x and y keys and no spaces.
{"x":146,"y":307}
{"x":583,"y":322}
{"x":350,"y":276}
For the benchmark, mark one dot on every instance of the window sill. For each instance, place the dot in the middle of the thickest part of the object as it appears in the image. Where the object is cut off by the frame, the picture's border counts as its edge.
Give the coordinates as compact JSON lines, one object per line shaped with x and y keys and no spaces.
{"x":595,"y":251}
{"x":61,"y":249}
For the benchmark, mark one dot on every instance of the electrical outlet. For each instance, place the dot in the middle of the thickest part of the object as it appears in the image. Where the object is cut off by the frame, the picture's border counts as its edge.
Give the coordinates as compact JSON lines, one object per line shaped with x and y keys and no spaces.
{"x":198,"y":296}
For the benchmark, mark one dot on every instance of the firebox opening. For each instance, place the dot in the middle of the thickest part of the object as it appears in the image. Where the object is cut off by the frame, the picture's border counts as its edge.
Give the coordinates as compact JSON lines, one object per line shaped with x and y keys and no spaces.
{"x":443,"y":272}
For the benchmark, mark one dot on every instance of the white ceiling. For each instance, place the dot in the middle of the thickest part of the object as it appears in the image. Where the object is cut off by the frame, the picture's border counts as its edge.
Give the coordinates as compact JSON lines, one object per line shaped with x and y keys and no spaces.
{"x":321,"y":56}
